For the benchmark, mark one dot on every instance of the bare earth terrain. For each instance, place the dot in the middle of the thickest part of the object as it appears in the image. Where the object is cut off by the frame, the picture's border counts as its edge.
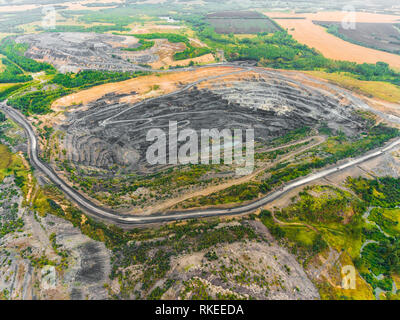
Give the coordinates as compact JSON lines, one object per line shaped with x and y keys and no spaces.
{"x":108,"y":133}
{"x":305,"y":31}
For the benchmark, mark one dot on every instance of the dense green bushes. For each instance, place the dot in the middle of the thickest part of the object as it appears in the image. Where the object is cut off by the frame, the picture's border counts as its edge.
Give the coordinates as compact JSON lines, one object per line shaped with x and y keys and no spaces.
{"x":87,"y":78}
{"x":384,"y":192}
{"x":294,"y":235}
{"x":171,"y":37}
{"x":12,"y":73}
{"x":189,"y":52}
{"x":96,"y":29}
{"x":5,"y":93}
{"x":37,"y":102}
{"x":15,"y":52}
{"x":291,"y":136}
{"x":330,"y":207}
{"x":383,"y":257}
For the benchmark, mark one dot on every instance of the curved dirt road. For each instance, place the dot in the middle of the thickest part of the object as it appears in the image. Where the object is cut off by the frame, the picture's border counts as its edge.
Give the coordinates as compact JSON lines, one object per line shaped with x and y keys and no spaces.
{"x":132,"y":221}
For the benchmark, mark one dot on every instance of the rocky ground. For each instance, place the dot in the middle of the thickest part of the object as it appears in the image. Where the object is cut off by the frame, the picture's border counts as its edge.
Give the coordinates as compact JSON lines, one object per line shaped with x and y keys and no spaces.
{"x":74,"y":51}
{"x":46,"y":257}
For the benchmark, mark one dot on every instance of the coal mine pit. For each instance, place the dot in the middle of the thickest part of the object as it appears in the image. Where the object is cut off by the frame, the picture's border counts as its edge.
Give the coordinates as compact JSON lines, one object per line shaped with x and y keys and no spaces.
{"x":109,"y":133}
{"x":75,"y":51}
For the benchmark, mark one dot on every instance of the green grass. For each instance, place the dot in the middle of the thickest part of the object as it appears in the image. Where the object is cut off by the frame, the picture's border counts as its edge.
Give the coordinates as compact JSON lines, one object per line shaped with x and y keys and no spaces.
{"x":387,"y":219}
{"x":144,"y":45}
{"x":373,"y":89}
{"x":5,"y":160}
{"x":300,"y":234}
{"x":242,"y":26}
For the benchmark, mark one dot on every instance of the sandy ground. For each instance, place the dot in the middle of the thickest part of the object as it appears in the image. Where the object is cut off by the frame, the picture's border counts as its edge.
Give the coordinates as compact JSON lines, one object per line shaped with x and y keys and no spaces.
{"x":166,"y":82}
{"x":305,"y":31}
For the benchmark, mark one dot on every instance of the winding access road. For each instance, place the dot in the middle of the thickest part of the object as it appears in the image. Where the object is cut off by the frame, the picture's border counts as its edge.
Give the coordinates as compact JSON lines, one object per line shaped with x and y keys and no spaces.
{"x":131,"y":221}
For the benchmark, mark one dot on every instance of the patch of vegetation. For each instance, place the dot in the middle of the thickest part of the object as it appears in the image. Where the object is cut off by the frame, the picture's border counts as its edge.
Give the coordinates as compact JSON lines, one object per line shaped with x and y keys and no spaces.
{"x":334,"y":149}
{"x":15,"y":53}
{"x":37,"y":98}
{"x":73,"y":28}
{"x":196,"y":289}
{"x":12,"y":73}
{"x":380,"y":259}
{"x":280,"y":50}
{"x":381,"y":90}
{"x":89,"y":78}
{"x":6,"y":92}
{"x":272,"y":155}
{"x":303,"y":241}
{"x":330,"y":206}
{"x":10,"y":222}
{"x":120,"y":17}
{"x":62,"y":253}
{"x":363,"y":290}
{"x":383,"y":257}
{"x":37,"y":102}
{"x":293,"y":135}
{"x":387,"y":219}
{"x":384,"y":192}
{"x":144,"y":45}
